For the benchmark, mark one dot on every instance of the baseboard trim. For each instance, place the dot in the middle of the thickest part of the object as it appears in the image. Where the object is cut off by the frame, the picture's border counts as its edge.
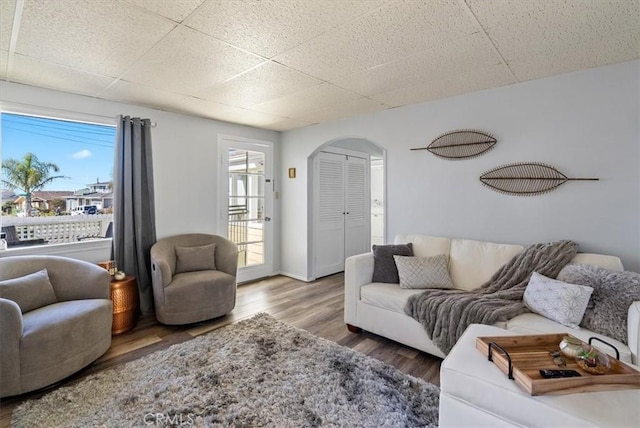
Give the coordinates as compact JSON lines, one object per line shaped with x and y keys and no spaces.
{"x":298,"y":277}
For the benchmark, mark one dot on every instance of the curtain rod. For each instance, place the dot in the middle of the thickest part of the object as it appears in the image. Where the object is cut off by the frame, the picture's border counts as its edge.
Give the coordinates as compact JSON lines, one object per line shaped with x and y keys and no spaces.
{"x":153,"y":124}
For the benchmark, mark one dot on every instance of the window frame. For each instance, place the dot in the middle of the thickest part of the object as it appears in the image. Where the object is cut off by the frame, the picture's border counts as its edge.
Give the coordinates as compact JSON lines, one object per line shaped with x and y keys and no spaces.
{"x":85,"y":250}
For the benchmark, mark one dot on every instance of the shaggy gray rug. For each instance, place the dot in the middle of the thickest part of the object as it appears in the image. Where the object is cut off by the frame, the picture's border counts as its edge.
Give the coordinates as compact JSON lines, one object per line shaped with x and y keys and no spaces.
{"x":258,"y":372}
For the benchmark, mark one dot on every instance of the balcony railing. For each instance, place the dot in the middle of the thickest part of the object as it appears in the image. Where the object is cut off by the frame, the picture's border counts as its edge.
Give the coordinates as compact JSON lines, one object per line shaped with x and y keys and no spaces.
{"x":59,"y":229}
{"x":247,"y":234}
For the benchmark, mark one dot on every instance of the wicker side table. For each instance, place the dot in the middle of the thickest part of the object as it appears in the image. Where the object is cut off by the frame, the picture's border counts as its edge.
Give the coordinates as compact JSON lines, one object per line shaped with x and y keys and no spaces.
{"x":124,"y":295}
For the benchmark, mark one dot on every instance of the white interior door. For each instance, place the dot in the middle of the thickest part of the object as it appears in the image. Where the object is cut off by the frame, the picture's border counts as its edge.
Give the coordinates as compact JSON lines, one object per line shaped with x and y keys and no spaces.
{"x":341,"y":210}
{"x":247,"y":203}
{"x":329,"y":213}
{"x":357,"y":236}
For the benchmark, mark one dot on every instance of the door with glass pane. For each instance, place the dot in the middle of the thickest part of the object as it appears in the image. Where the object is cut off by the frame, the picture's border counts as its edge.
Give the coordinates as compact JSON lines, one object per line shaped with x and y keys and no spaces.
{"x":248,"y":194}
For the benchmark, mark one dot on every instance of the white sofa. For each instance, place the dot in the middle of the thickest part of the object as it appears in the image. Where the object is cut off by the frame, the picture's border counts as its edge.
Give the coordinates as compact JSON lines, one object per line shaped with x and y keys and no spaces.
{"x":379,"y":307}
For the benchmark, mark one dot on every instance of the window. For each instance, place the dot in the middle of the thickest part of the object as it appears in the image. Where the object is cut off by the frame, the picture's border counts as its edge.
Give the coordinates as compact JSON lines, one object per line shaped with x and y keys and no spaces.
{"x":246,"y":205}
{"x":56,"y":180}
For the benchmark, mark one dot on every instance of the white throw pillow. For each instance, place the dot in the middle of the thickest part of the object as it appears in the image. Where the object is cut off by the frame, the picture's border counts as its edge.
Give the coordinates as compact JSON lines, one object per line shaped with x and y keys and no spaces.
{"x":559,"y":301}
{"x":423,"y":272}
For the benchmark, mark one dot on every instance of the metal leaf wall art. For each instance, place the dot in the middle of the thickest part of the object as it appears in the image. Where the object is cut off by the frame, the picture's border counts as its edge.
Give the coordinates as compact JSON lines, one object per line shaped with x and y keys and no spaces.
{"x":525,"y":178}
{"x":461,"y":144}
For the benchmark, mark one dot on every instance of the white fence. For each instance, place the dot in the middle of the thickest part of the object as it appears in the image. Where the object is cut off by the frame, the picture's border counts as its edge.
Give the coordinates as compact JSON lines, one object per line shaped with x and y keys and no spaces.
{"x":60,"y":229}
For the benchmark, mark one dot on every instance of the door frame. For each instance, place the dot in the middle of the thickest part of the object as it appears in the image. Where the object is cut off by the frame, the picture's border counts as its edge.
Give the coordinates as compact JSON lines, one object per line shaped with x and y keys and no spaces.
{"x":225,"y":142}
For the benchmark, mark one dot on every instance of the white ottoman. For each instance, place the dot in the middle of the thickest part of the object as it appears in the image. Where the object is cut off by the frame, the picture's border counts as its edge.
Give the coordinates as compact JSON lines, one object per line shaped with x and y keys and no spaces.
{"x":475,"y":393}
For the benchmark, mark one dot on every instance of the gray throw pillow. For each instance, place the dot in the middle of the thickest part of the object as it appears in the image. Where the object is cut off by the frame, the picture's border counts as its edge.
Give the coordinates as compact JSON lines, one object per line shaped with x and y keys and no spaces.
{"x":613,"y":293}
{"x":193,"y":259}
{"x":384,"y":267}
{"x":30,"y":292}
{"x":423,"y":272}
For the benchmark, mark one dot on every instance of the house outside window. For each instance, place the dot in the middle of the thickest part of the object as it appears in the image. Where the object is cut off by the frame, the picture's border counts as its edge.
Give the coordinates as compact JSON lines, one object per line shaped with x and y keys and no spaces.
{"x":98,"y":194}
{"x":69,"y":197}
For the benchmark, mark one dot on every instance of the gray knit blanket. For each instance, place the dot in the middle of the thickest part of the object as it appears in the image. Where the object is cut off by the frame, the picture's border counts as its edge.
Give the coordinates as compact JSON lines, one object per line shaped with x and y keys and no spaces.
{"x":445,"y":314}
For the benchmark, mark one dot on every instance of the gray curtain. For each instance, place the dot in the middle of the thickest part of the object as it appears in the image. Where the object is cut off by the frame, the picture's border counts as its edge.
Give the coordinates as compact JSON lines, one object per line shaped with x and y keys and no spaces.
{"x":134,"y":213}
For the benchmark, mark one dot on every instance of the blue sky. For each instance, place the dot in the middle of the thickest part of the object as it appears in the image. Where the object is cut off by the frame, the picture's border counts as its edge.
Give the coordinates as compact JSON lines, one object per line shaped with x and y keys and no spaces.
{"x":83,"y":152}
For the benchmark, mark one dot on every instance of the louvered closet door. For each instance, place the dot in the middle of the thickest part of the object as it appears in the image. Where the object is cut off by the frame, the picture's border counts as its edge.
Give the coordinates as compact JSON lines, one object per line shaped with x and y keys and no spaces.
{"x":329,"y":219}
{"x":357,"y":236}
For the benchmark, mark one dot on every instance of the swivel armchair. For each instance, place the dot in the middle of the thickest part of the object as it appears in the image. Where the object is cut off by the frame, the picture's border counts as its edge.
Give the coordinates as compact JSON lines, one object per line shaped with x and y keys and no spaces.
{"x":193,"y":277}
{"x":55,"y":318}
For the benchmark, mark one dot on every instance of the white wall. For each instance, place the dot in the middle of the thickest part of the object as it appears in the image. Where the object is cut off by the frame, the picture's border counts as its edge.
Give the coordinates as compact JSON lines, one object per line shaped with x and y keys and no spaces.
{"x":185,"y":159}
{"x":584,"y":123}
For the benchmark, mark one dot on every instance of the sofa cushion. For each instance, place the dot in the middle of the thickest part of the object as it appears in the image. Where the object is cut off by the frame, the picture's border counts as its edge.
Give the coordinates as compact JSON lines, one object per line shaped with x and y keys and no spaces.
{"x":604,"y":261}
{"x":30,"y":292}
{"x":384,"y":267}
{"x":472,"y":263}
{"x":386,"y":296}
{"x":426,"y":246}
{"x":423,"y":272}
{"x":393,"y":298}
{"x":613,"y":293}
{"x":193,"y":291}
{"x":557,"y":300}
{"x":193,"y":259}
{"x":61,"y":337}
{"x":537,"y":324}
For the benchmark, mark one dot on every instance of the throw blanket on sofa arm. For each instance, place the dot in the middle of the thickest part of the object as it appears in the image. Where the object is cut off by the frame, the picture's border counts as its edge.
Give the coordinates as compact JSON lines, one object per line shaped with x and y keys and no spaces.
{"x":445,"y":314}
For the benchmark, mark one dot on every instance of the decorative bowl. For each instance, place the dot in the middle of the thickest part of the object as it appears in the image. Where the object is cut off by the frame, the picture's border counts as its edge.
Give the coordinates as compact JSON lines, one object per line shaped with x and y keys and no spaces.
{"x":593,"y":361}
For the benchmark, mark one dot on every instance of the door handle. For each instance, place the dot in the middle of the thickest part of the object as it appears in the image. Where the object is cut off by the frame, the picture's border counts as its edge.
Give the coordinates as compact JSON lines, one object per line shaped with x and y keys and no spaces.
{"x":267,"y":219}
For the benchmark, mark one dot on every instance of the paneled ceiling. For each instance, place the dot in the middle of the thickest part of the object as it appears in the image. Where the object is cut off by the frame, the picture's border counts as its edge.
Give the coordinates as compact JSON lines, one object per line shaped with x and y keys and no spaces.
{"x":286,"y":64}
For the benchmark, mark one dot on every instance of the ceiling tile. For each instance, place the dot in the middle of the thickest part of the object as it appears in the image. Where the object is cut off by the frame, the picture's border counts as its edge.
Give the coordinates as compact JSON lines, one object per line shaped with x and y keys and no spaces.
{"x":45,"y":74}
{"x":95,"y":36}
{"x":201,"y":108}
{"x":340,"y":111}
{"x":176,"y":10}
{"x":7,"y":10}
{"x":456,"y":84}
{"x":554,"y":13}
{"x":619,"y":48}
{"x":187,"y":61}
{"x":491,"y":13}
{"x":142,"y":95}
{"x":308,"y":99}
{"x":250,"y":117}
{"x":270,"y":27}
{"x":438,"y":63}
{"x":263,"y":83}
{"x":550,"y":27}
{"x":397,"y":30}
{"x":285,"y":124}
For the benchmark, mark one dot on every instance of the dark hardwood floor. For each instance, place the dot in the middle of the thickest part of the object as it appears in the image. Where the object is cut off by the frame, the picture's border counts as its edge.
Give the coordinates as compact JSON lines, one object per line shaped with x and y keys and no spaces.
{"x":316,"y":307}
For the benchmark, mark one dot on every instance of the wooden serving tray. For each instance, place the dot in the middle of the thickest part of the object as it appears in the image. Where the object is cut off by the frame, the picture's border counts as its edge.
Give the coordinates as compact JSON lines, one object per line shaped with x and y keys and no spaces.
{"x":530,"y":353}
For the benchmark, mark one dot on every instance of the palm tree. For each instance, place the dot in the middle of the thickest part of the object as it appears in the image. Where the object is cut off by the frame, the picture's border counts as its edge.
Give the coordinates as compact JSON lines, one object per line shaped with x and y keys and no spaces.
{"x":28,"y":174}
